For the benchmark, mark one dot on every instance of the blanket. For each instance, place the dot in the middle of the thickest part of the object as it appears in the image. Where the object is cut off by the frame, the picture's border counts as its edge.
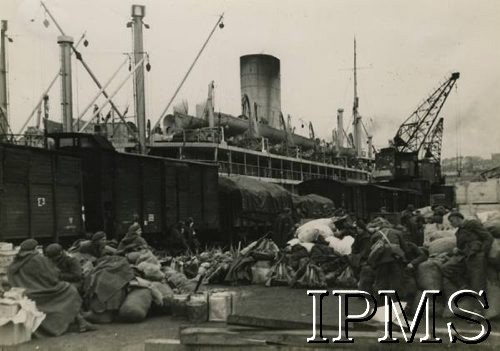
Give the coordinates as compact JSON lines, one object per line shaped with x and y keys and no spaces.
{"x":104,"y":286}
{"x":59,"y":300}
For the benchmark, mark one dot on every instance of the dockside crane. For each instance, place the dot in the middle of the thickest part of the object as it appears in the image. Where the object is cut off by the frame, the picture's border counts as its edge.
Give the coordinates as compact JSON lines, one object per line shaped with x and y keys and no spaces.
{"x":415,"y":151}
{"x":413,"y":133}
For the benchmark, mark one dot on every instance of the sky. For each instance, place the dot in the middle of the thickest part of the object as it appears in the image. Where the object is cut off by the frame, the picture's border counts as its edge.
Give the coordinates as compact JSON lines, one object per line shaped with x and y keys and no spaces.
{"x":405,"y":49}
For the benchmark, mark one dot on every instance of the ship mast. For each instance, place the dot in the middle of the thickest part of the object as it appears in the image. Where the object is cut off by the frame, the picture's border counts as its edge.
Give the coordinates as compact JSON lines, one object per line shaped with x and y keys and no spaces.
{"x":356,"y":123}
{"x":4,"y":96}
{"x":138,"y":13}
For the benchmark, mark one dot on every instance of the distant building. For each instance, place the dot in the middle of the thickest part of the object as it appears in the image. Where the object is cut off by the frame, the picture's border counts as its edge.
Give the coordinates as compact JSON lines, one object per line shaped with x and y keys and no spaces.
{"x":495,"y":158}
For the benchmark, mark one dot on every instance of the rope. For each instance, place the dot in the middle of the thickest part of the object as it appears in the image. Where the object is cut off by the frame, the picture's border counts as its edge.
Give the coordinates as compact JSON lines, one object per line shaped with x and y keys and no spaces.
{"x":458,"y":128}
{"x":77,"y":89}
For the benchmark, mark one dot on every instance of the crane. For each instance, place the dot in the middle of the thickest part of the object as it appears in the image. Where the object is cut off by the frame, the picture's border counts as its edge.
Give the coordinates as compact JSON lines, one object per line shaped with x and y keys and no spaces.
{"x":415,"y":151}
{"x":413,"y":134}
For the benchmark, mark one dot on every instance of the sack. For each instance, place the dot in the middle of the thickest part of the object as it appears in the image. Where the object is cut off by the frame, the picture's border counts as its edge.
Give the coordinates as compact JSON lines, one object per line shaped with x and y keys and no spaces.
{"x":494,"y":254}
{"x":309,"y":276}
{"x":136,"y":305}
{"x":443,"y":245}
{"x":429,"y":276}
{"x":309,"y":232}
{"x":151,"y":271}
{"x":260,"y":271}
{"x":341,"y":246}
{"x":279,"y":274}
{"x":488,"y":216}
{"x":438,"y":234}
{"x":347,"y":278}
{"x":493,"y":228}
{"x":493,"y":291}
{"x":132,"y":257}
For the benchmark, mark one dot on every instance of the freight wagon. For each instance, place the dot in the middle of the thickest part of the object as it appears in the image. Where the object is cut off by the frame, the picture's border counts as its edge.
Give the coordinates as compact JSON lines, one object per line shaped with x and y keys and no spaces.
{"x":363,"y":200}
{"x":120,"y":188}
{"x":84,"y":185}
{"x":40,"y":194}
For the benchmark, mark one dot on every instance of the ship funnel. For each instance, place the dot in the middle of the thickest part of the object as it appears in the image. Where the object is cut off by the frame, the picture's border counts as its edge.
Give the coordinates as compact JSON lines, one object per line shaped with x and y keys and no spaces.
{"x":340,"y":128}
{"x":261,"y":83}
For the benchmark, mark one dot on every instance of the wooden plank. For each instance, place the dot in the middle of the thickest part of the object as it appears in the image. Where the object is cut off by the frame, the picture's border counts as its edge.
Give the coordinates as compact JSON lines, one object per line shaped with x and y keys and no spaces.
{"x":270,"y":323}
{"x":41,"y":167}
{"x":127,"y":195}
{"x":151,"y":196}
{"x":14,"y":211}
{"x":226,"y":339}
{"x":42,"y":211}
{"x":68,"y":210}
{"x":16,"y":165}
{"x":164,"y":345}
{"x":68,"y":170}
{"x":171,"y":201}
{"x":217,"y":336}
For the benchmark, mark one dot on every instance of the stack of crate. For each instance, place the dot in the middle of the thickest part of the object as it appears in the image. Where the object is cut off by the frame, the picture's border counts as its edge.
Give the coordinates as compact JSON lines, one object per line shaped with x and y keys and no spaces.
{"x":7,"y":254}
{"x":12,"y":333}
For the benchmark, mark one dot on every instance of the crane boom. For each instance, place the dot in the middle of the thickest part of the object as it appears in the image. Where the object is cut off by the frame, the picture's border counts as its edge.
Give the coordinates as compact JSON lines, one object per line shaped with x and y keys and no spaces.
{"x":432,"y":146}
{"x":413,"y":134}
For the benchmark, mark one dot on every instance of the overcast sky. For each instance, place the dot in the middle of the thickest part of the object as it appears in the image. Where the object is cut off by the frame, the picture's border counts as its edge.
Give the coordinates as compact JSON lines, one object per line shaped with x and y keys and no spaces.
{"x":408,"y":47}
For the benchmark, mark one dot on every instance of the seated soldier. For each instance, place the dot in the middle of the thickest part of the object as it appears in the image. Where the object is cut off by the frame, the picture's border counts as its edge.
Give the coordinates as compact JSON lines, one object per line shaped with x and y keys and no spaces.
{"x":69,"y":268}
{"x":59,"y":300}
{"x":132,"y":241}
{"x":97,"y":246}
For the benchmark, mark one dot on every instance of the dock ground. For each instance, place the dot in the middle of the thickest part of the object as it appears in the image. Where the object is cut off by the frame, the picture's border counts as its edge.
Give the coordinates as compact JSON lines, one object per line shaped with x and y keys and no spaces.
{"x":273,"y":318}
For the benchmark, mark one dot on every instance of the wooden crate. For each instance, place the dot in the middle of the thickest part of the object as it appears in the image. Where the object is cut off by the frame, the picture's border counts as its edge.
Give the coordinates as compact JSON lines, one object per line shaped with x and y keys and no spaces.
{"x":14,"y":334}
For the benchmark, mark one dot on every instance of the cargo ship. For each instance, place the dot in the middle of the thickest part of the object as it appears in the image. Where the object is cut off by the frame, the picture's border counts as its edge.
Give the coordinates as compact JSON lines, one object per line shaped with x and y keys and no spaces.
{"x":258,"y":143}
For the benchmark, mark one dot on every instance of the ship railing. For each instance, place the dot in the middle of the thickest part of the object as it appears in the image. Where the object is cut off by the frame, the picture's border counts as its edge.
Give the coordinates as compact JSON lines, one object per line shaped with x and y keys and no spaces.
{"x":35,"y":140}
{"x":203,"y":135}
{"x":233,"y":168}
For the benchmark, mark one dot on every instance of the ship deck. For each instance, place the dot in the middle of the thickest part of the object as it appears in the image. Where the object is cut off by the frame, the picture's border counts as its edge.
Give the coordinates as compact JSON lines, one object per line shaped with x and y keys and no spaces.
{"x":260,"y":164}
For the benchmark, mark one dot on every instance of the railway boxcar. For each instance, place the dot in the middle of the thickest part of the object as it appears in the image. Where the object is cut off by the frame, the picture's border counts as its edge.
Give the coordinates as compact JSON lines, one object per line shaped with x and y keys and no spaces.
{"x":120,"y":188}
{"x":40,"y":195}
{"x":361,"y":199}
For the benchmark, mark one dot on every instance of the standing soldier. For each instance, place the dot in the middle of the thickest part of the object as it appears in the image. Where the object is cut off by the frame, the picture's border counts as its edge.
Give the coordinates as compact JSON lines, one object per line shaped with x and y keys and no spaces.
{"x":420,"y":226}
{"x":190,"y":234}
{"x":177,"y":243}
{"x":470,"y":255}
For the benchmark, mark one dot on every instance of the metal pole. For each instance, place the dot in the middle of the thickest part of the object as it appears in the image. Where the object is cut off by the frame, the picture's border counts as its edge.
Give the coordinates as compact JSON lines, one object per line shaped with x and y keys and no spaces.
{"x":340,"y":128}
{"x":66,"y":85}
{"x":110,"y":97}
{"x":52,"y":82}
{"x":189,"y":71}
{"x":99,"y":93}
{"x":4,"y":96}
{"x":52,"y":17}
{"x":138,"y":13}
{"x":89,"y":71}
